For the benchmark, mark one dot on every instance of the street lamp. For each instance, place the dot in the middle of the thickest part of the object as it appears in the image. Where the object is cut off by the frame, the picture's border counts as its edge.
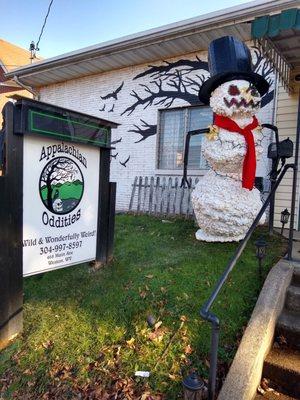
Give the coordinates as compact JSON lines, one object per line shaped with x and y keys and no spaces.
{"x":194,"y":388}
{"x":284,"y":218}
{"x":261,"y":245}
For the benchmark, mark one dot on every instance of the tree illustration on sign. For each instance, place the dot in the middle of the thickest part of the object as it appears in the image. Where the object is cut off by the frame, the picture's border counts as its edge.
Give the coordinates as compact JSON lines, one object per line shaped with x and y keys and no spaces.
{"x":61,"y":185}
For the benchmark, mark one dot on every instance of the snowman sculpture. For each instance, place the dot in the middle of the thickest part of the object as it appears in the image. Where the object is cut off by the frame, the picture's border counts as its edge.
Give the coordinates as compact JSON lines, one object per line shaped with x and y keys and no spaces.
{"x":225,"y":200}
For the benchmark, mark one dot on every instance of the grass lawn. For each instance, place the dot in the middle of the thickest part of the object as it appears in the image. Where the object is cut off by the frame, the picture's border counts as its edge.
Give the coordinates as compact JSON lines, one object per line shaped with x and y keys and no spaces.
{"x":86,"y":333}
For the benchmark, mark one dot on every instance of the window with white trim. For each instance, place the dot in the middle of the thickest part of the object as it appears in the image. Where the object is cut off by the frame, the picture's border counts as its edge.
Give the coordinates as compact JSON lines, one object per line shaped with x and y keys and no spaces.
{"x":173,"y":126}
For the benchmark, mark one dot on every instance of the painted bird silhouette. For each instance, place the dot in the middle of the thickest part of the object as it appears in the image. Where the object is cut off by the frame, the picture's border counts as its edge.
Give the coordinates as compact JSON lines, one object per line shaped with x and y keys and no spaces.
{"x":113,"y":94}
{"x":102,"y":109}
{"x":117,"y":141}
{"x":125,"y":162}
{"x":112,"y":109}
{"x":114,"y":155}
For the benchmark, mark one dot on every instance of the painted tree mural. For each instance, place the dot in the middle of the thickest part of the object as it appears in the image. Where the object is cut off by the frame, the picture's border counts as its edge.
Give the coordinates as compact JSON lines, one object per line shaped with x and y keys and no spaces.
{"x":162,"y":84}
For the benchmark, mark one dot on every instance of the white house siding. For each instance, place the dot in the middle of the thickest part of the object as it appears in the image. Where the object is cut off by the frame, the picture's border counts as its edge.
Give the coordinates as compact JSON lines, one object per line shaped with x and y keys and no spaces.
{"x":85,"y":94}
{"x":286,"y":120}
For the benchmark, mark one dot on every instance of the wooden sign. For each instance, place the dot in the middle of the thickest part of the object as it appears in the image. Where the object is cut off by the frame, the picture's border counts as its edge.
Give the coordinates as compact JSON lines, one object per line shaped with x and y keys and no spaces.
{"x":56,"y":202}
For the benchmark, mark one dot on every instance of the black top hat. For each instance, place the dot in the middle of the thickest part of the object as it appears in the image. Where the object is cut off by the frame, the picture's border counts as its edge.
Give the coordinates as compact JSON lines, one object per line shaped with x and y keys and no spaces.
{"x":229,"y":58}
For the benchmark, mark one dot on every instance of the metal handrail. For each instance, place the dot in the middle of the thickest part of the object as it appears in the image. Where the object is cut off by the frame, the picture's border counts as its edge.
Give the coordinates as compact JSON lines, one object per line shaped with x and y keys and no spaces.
{"x":205,"y":312}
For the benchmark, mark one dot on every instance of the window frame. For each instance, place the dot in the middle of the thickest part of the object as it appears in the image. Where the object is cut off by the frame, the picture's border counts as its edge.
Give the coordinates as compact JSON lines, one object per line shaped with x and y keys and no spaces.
{"x":174,"y":172}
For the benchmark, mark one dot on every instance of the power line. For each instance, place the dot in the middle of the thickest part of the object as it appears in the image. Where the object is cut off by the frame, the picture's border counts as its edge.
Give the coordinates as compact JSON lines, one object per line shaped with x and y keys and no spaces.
{"x":34,"y":48}
{"x":42,"y":30}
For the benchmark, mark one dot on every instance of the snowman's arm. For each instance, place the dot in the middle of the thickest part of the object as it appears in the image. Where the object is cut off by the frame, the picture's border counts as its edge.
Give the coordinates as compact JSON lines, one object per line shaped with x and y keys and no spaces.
{"x":274,"y":129}
{"x":275,"y":159}
{"x":186,"y":152}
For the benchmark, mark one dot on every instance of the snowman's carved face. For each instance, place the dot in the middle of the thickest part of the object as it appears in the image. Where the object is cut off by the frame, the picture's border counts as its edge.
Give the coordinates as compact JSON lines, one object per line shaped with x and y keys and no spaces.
{"x":236,"y":97}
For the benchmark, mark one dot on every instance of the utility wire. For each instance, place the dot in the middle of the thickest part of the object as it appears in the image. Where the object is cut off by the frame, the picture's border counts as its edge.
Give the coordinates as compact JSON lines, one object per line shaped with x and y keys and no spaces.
{"x":34,"y":48}
{"x":44,"y":24}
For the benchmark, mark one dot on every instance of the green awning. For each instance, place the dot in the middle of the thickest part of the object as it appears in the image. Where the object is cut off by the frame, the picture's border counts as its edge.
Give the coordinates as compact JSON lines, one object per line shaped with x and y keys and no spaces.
{"x":271,"y":26}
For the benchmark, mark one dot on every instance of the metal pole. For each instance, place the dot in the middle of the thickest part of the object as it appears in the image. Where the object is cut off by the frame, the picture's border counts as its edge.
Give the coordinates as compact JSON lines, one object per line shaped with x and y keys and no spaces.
{"x":273,"y":176}
{"x":213,"y":360}
{"x":293,"y":201}
{"x":260,"y":268}
{"x":272,"y":200}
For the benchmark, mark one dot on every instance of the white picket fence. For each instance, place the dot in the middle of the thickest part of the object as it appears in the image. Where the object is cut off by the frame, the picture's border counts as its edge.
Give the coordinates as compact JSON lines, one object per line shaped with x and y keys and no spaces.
{"x":161,"y":196}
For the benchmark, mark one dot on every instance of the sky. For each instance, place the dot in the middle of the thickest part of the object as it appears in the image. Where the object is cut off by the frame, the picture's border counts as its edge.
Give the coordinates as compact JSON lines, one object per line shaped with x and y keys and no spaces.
{"x":74,"y":24}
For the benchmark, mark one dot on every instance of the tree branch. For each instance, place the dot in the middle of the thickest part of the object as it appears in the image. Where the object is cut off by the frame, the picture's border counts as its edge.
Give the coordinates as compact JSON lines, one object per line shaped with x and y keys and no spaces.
{"x":159,"y":70}
{"x":145,"y":133}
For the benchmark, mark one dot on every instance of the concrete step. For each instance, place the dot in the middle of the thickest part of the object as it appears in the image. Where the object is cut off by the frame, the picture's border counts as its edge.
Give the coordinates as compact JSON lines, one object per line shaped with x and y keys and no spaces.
{"x":288,"y":328}
{"x":292,"y":301}
{"x":282,"y":366}
{"x":296,"y":277}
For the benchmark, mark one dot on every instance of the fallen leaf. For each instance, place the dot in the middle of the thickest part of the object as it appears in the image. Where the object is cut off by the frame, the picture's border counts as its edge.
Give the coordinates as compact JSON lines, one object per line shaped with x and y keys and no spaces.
{"x":207,"y":363}
{"x":264,"y":384}
{"x":157,"y":325}
{"x":48,"y":345}
{"x":260,"y":390}
{"x":149,"y":276}
{"x":27,"y":372}
{"x":145,"y":396}
{"x":174,"y":377}
{"x":130,"y":343}
{"x":188,"y":349}
{"x":281,"y":340}
{"x":143,"y":294}
{"x":157,"y":335}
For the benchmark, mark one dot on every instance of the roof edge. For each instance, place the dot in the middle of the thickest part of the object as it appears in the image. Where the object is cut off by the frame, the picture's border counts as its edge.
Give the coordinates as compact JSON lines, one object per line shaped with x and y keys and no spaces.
{"x":246,"y":11}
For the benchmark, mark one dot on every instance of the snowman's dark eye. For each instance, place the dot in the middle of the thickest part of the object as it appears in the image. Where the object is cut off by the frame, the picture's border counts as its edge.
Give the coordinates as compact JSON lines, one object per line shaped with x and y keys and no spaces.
{"x":254,"y":92}
{"x":233,"y":90}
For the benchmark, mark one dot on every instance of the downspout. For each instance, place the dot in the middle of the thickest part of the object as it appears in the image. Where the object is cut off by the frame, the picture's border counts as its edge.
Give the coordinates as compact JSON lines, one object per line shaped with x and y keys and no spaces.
{"x":26,"y":87}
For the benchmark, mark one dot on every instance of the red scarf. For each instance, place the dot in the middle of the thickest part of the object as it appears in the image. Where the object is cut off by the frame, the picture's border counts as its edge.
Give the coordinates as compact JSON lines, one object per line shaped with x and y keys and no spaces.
{"x":249,"y":166}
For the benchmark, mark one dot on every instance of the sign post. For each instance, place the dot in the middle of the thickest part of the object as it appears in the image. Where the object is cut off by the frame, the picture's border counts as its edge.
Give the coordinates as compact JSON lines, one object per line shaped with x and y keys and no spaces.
{"x":57,"y":205}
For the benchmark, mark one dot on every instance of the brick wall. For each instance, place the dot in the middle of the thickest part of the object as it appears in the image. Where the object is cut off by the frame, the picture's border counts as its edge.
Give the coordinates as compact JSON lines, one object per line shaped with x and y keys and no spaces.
{"x":85,"y":94}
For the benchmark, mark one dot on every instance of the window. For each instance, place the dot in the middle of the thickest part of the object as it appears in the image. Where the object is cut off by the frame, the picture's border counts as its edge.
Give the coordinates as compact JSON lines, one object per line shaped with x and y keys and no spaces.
{"x":174,"y":124}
